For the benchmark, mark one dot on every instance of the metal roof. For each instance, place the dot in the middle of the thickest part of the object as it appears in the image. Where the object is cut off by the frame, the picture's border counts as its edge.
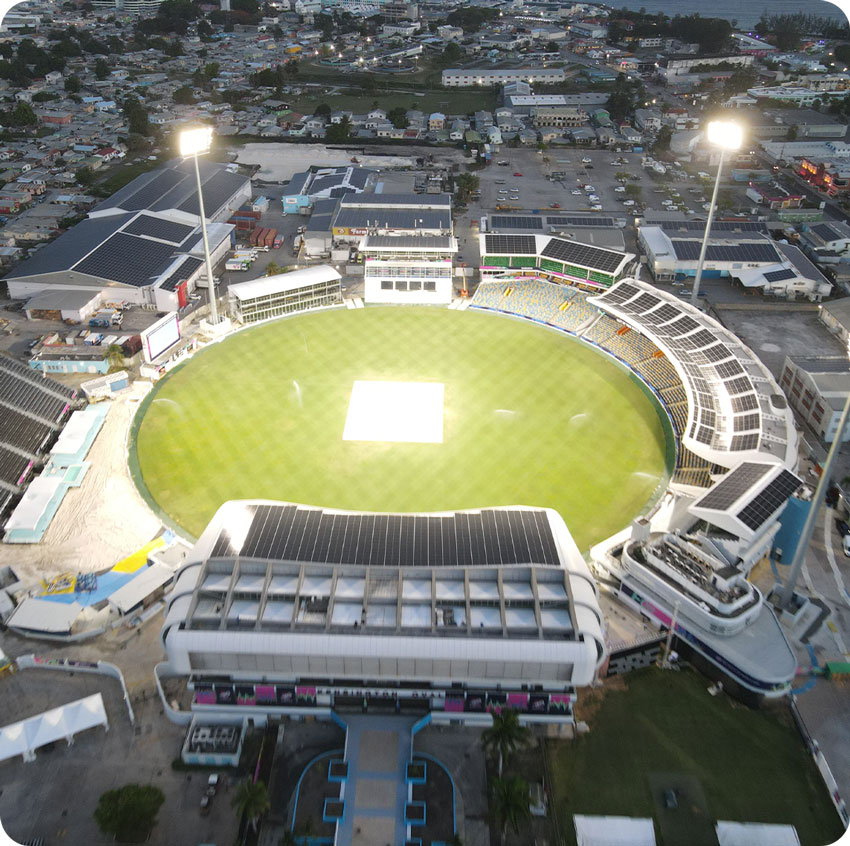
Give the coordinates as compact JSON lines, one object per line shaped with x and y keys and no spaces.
{"x":60,"y":299}
{"x":127,"y":260}
{"x":441,"y":243}
{"x":267,"y":285}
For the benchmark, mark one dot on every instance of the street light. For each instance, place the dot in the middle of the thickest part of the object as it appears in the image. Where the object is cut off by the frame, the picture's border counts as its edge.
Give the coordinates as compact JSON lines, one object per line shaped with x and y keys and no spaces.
{"x":728,"y":136}
{"x":193,"y":142}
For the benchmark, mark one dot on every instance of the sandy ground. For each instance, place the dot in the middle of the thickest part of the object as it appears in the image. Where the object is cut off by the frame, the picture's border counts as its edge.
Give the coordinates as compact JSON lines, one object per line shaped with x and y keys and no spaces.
{"x":279,"y":161}
{"x":100,"y":522}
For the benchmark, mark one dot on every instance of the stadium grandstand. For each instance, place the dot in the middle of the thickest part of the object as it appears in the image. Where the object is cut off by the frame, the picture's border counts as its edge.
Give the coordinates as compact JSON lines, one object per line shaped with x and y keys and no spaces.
{"x":553,"y":257}
{"x":33,"y":411}
{"x":723,"y":404}
{"x":284,"y":608}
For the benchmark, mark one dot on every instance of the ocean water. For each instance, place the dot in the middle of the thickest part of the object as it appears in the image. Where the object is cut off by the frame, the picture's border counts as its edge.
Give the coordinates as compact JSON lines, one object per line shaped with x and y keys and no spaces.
{"x":746,"y":12}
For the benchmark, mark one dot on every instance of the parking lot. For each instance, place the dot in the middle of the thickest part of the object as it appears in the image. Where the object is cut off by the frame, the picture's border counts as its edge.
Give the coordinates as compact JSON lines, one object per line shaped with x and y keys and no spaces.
{"x":55,"y":796}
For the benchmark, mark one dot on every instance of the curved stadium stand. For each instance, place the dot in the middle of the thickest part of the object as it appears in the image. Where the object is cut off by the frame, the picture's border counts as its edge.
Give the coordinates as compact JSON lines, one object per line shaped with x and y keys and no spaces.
{"x":33,"y":411}
{"x":626,"y":321}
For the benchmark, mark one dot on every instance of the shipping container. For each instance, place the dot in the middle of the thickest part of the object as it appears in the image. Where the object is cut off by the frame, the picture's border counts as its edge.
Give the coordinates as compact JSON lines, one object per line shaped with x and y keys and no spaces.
{"x":270,"y":235}
{"x":131,"y":346}
{"x":248,"y":211}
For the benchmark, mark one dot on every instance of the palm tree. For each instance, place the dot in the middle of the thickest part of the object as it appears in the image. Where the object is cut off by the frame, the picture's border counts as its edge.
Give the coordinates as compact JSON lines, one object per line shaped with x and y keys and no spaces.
{"x":115,"y":356}
{"x":505,"y":736}
{"x":510,"y":804}
{"x":251,"y":800}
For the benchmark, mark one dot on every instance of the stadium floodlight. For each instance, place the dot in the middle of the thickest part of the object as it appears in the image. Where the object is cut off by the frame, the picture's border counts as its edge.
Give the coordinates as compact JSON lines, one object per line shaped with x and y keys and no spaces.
{"x":196,"y":140}
{"x":727,"y":135}
{"x":193,"y":142}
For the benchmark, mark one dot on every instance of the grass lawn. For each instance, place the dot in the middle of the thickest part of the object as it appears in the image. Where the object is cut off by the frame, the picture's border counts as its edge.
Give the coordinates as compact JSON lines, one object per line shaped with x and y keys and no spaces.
{"x":449,"y":102}
{"x":530,"y":417}
{"x":124,"y":173}
{"x":752,"y":766}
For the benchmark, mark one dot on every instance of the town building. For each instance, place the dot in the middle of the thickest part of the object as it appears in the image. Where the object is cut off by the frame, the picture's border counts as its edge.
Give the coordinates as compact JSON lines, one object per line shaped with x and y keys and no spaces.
{"x":817,"y":390}
{"x":467,"y":77}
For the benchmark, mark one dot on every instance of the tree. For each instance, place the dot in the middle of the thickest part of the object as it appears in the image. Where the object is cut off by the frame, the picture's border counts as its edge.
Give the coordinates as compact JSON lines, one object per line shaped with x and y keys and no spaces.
{"x":184,"y":96}
{"x":466,"y":183}
{"x":273,"y":269}
{"x":84,"y":175}
{"x":130,"y":811}
{"x":101,"y":69}
{"x":115,"y":357}
{"x":791,"y":135}
{"x":136,"y":116}
{"x":398,"y":116}
{"x":452,"y":54}
{"x":251,"y":800}
{"x":211,"y":70}
{"x":336,"y":133}
{"x":506,"y":734}
{"x":322,"y":110}
{"x":73,"y":84}
{"x":633,"y":192}
{"x":21,"y":115}
{"x":662,"y":140}
{"x":510,"y":804}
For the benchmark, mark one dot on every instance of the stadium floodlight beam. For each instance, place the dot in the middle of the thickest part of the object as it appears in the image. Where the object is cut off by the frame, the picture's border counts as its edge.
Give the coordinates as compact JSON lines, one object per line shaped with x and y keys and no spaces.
{"x":727,"y":135}
{"x":193,"y":142}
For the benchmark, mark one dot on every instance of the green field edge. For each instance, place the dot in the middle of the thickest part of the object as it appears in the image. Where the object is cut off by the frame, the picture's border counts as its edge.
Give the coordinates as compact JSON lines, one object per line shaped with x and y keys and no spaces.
{"x":170,"y":522}
{"x":135,"y":468}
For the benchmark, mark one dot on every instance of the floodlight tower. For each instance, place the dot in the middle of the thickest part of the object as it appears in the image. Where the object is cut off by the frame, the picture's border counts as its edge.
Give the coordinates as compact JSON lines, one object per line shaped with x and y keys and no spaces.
{"x":727,"y":135}
{"x":193,"y":142}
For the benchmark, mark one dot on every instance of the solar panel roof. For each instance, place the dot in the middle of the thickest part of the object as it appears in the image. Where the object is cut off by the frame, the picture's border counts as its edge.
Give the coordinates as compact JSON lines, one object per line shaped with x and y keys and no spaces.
{"x":764,"y":505}
{"x":825,"y":231}
{"x":779,"y":275}
{"x":183,"y":271}
{"x":128,"y":260}
{"x":595,"y":258}
{"x":217,"y":191}
{"x":578,"y":222}
{"x":511,"y":244}
{"x":716,"y":226}
{"x":733,"y":486}
{"x":750,"y":251}
{"x":393,"y":218}
{"x":504,"y":221}
{"x":491,"y":536}
{"x":157,"y":227}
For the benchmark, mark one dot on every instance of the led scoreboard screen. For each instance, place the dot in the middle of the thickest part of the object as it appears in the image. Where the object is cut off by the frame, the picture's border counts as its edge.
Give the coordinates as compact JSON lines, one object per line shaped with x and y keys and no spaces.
{"x":161,"y":336}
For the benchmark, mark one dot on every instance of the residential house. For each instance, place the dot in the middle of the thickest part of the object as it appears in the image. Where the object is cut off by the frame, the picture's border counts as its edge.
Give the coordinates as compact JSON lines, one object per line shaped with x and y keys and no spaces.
{"x":436,"y":121}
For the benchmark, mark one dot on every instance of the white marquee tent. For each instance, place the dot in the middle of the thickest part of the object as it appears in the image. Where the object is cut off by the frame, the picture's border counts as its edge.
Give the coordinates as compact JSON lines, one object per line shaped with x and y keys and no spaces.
{"x":24,"y":737}
{"x":755,"y":834}
{"x":614,"y":831}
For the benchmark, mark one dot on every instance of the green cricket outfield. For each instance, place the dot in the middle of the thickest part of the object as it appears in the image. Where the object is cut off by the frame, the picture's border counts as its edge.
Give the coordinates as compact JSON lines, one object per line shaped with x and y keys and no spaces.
{"x":510,"y":414}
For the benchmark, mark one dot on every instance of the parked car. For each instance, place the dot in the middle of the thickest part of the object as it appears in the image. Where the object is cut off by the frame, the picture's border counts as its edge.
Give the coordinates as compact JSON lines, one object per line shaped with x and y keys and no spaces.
{"x":586,"y":160}
{"x":845,"y":542}
{"x":214,"y":781}
{"x":205,"y":805}
{"x":517,"y":174}
{"x":842,"y":527}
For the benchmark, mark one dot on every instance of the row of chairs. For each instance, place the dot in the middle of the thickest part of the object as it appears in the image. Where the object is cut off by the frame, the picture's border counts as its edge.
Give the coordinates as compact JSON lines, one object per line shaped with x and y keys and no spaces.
{"x":13,"y":467}
{"x":22,"y":432}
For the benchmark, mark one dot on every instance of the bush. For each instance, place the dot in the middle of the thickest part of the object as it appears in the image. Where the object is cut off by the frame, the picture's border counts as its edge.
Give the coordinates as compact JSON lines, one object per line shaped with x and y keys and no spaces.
{"x":129,"y":812}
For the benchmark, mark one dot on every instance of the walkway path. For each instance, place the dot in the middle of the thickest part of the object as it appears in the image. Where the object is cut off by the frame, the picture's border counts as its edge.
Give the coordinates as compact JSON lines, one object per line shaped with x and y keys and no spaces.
{"x":377,"y":751}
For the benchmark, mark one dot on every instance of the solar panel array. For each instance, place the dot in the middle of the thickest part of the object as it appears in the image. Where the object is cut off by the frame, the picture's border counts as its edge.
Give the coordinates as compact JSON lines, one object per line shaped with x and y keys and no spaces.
{"x":511,"y":244}
{"x":712,"y":368}
{"x":825,"y":231}
{"x":765,"y":504}
{"x":749,"y":251}
{"x":733,"y":486}
{"x":578,"y":222}
{"x":504,"y":221}
{"x":491,"y":536}
{"x":217,"y":191}
{"x":147,"y":195}
{"x":595,"y":258}
{"x":128,"y":260}
{"x":779,"y":275}
{"x":157,"y":227}
{"x":716,"y":226}
{"x":184,"y":270}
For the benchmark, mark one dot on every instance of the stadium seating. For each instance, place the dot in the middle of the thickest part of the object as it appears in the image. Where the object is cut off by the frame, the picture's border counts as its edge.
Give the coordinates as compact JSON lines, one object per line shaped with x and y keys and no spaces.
{"x":566,"y":307}
{"x":22,"y":432}
{"x":32,"y":394}
{"x":27,"y":373}
{"x":13,"y":467}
